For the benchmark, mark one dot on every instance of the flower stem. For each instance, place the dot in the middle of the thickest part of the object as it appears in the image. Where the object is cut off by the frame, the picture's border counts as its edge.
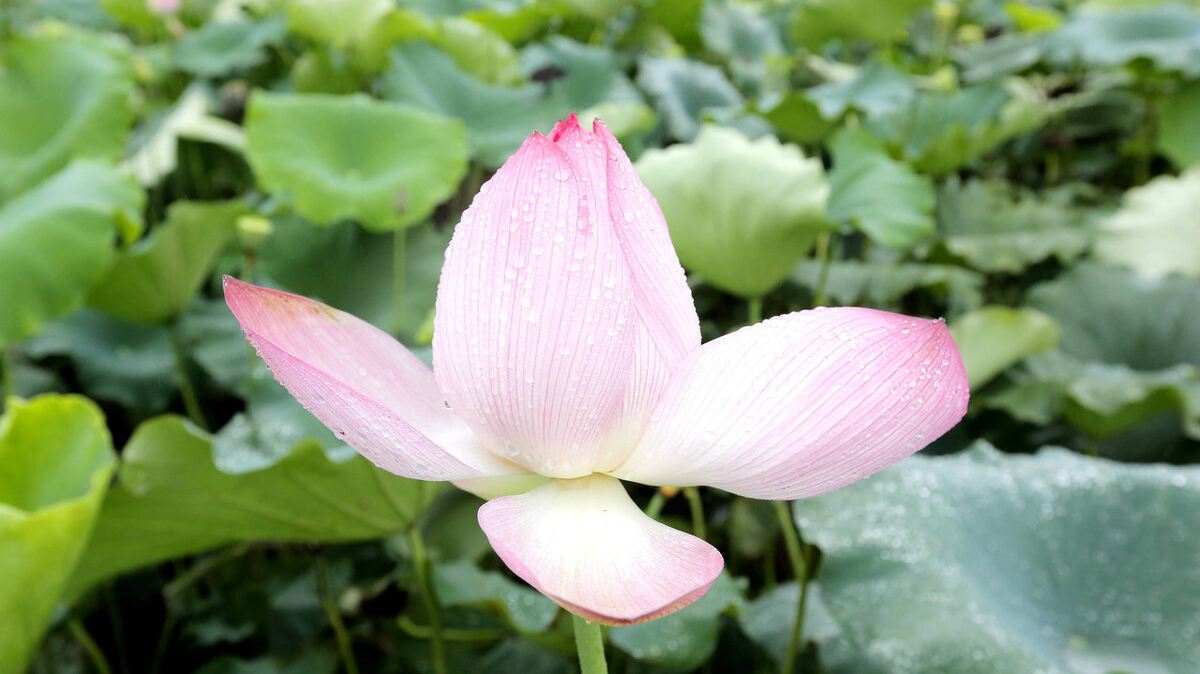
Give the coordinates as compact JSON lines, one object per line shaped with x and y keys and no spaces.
{"x":826,"y":251}
{"x":754,"y":309}
{"x":429,"y":597}
{"x":186,"y":390}
{"x":692,"y":495}
{"x":345,"y":648}
{"x":589,"y":641}
{"x":8,"y":383}
{"x":399,"y":269}
{"x":798,"y":555}
{"x":99,"y":662}
{"x":654,"y":508}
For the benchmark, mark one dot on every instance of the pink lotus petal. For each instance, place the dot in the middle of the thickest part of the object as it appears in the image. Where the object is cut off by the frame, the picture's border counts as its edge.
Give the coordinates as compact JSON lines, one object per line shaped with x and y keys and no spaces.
{"x":803,"y":404}
{"x":584,"y":544}
{"x":367,"y":388}
{"x":533,"y":336}
{"x":667,"y":326}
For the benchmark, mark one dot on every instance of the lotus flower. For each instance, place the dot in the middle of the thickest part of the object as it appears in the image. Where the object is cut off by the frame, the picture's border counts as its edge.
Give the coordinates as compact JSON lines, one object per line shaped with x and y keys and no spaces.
{"x":567,"y":357}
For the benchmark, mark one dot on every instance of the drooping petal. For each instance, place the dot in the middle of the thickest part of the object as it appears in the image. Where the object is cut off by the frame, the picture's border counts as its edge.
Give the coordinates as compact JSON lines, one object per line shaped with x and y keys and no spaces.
{"x":367,"y":388}
{"x":533,"y":334}
{"x":667,"y":326}
{"x":803,"y":404}
{"x":584,"y":544}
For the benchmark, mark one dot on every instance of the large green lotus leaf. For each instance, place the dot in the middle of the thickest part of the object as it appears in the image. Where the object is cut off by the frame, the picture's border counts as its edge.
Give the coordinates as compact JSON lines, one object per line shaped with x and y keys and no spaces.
{"x":171,"y":499}
{"x":815,"y":22}
{"x":154,"y":280}
{"x":686,"y":639}
{"x":382,"y":164}
{"x":479,"y":51}
{"x":272,"y":424}
{"x":497,"y":118}
{"x":60,"y":99}
{"x":997,"y":228}
{"x":682,"y":90}
{"x":1000,"y":564}
{"x":742,"y":213}
{"x":872,"y":192}
{"x":1177,"y":114}
{"x":992,"y":338}
{"x":1168,"y":35}
{"x":56,"y":459}
{"x":335,"y":22}
{"x":114,"y":360}
{"x":881,"y":285}
{"x":352,"y":270}
{"x":877,"y":90}
{"x":939,"y":132}
{"x":221,"y":47}
{"x":1115,"y":316}
{"x":1157,"y":229}
{"x":591,"y":75}
{"x":461,"y":583}
{"x":1113,"y":375}
{"x":56,"y":242}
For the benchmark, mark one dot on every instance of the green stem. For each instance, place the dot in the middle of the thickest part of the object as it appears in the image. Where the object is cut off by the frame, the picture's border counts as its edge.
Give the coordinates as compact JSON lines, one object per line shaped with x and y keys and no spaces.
{"x":797,"y":554}
{"x":99,"y":662}
{"x":191,"y":403}
{"x":429,"y":597}
{"x":754,"y":309}
{"x":399,"y":266}
{"x":345,"y":648}
{"x":118,"y":628}
{"x":654,"y":508}
{"x":692,"y":495}
{"x":8,"y":382}
{"x":825,"y":253}
{"x":164,"y":640}
{"x":589,"y":641}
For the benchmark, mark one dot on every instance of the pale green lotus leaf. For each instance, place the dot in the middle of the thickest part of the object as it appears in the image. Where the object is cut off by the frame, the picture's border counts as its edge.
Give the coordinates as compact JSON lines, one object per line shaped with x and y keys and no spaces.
{"x":992,"y":338}
{"x":382,"y":164}
{"x":61,"y":98}
{"x":985,"y":563}
{"x":56,"y":459}
{"x":742,"y":213}
{"x":57,"y":241}
{"x":1157,"y":229}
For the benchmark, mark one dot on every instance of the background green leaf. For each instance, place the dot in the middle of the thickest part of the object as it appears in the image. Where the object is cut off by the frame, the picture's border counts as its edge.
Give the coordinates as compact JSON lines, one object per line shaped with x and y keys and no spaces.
{"x":1157,"y":229}
{"x":57,"y":241}
{"x":871,"y":191}
{"x":987,"y":563}
{"x":154,"y":280}
{"x":56,"y":459}
{"x":382,"y":164}
{"x":497,"y":118}
{"x":171,"y":499}
{"x":60,"y":99}
{"x":992,"y":338}
{"x":742,"y":213}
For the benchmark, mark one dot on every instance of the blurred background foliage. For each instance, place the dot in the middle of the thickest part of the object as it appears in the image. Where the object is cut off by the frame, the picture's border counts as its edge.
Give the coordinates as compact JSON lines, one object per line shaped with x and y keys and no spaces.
{"x":1028,"y":170}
